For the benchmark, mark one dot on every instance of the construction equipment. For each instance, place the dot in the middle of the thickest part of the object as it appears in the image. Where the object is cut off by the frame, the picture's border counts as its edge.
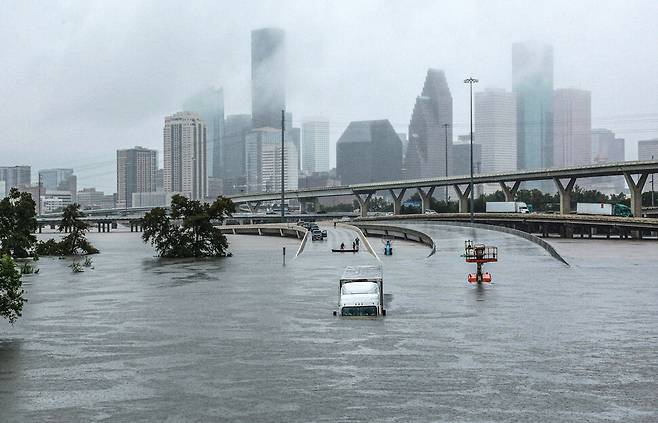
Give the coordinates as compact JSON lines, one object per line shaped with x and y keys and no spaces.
{"x":479,"y":254}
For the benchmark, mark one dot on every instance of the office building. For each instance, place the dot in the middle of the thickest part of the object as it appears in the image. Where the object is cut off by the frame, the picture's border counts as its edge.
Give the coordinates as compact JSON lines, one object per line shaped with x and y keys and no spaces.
{"x":89,"y":198}
{"x":59,"y":180}
{"x":268,"y":77}
{"x":572,"y":127}
{"x":15,"y":177}
{"x":152,"y":199}
{"x":136,"y":172}
{"x":405,"y":144}
{"x":532,"y":79}
{"x":209,"y":104}
{"x":315,"y":145}
{"x":369,"y":151}
{"x":236,"y":128}
{"x":430,"y":140}
{"x":185,"y":155}
{"x":647,"y":149}
{"x":607,"y":148}
{"x":263,"y":161}
{"x":495,"y":130}
{"x":462,"y":156}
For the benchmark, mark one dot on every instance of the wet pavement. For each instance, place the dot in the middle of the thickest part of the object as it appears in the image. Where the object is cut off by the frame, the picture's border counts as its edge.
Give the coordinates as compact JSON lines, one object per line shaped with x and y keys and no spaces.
{"x":246,"y":339}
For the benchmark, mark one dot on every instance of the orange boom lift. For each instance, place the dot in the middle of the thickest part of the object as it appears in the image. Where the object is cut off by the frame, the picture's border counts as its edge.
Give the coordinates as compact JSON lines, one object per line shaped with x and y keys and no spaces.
{"x":479,"y":254}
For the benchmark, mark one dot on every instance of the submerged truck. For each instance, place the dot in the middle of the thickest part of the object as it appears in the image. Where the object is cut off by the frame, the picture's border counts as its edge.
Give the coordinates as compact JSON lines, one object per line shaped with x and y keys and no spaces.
{"x":361,"y":292}
{"x":507,"y":207}
{"x":604,"y":209}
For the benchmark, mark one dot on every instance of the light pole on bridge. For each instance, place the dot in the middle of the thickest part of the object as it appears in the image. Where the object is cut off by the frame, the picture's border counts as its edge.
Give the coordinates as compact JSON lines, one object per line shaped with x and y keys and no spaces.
{"x":471,"y":81}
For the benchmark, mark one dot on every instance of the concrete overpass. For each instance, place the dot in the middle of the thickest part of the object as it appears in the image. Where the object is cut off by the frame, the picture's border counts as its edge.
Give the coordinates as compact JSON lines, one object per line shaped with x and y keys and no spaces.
{"x":635,"y":173}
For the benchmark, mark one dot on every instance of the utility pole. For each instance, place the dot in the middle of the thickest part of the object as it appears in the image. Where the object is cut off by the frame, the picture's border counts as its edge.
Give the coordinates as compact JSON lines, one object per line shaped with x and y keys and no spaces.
{"x":471,"y":81}
{"x":445,"y":126}
{"x":283,"y":158}
{"x":652,"y":196}
{"x":39,"y":194}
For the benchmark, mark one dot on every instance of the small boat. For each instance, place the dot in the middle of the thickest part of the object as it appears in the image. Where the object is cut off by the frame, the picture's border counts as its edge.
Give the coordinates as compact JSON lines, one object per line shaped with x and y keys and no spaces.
{"x":338,"y":250}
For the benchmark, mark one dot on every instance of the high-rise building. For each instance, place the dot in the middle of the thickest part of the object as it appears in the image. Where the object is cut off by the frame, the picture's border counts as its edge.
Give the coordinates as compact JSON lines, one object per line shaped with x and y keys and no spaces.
{"x":315,"y":145}
{"x":59,"y":180}
{"x":185,"y":155}
{"x":236,"y":128}
{"x":606,"y":148}
{"x":647,"y":149}
{"x":428,"y":142}
{"x":89,"y":198}
{"x":15,"y":177}
{"x":136,"y":172}
{"x":532,"y":79}
{"x":209,"y":104}
{"x":268,"y":77}
{"x":572,"y":127}
{"x":369,"y":151}
{"x":263,"y":161}
{"x":462,"y":156}
{"x":405,"y":143}
{"x":495,"y":129}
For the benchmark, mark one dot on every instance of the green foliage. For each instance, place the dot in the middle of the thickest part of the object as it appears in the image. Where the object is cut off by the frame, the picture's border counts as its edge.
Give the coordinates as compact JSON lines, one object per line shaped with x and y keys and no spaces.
{"x":11,"y":290}
{"x":73,"y":243}
{"x":18,"y":222}
{"x":189,"y":230}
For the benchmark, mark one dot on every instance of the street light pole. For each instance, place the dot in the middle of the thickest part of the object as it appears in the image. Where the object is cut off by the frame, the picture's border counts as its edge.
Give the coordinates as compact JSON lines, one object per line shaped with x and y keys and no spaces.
{"x":471,"y":81}
{"x":283,"y":179}
{"x":445,"y":126}
{"x":652,"y":196}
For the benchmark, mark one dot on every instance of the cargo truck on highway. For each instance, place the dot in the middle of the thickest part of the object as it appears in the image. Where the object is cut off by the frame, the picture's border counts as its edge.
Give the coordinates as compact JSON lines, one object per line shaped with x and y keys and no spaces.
{"x":507,"y":207}
{"x":361,"y":292}
{"x":603,"y":209}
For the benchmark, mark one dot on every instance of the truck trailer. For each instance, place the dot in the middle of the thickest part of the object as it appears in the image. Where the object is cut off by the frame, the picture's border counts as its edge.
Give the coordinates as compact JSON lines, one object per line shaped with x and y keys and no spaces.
{"x":507,"y":207}
{"x":361,"y":292}
{"x":603,"y":209}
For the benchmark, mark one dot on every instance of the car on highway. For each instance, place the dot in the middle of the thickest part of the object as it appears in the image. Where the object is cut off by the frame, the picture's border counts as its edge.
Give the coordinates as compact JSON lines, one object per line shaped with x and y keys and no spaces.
{"x":324,"y":233}
{"x":316,"y":235}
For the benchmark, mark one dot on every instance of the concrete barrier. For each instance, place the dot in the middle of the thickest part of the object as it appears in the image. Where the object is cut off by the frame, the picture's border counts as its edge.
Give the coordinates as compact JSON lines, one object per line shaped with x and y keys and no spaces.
{"x":398,"y":232}
{"x":273,"y":229}
{"x":363,"y":237}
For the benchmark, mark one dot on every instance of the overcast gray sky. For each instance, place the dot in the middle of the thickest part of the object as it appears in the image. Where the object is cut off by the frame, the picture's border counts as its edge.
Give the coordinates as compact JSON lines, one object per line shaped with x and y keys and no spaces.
{"x":79,"y":79}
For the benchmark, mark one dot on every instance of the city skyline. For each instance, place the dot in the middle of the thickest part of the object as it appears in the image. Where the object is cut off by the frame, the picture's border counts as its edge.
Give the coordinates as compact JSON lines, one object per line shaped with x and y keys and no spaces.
{"x":133,"y":111}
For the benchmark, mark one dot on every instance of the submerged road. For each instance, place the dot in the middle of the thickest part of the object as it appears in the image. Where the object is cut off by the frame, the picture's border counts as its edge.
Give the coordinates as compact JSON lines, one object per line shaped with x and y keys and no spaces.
{"x":246,"y":339}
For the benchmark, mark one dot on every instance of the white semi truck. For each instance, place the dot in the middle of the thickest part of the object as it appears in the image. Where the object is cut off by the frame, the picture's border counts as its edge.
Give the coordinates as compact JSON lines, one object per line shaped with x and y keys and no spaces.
{"x":361,"y":292}
{"x":604,"y":209}
{"x":507,"y":207}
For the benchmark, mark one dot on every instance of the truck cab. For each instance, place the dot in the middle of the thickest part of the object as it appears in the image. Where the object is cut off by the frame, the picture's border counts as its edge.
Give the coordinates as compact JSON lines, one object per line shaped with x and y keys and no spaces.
{"x":361,"y":292}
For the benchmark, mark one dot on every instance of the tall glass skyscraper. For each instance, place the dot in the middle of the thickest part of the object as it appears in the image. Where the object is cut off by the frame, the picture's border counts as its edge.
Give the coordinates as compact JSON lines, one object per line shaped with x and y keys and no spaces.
{"x":209,"y":104}
{"x":532,"y":79}
{"x":315,"y":145}
{"x":268,"y":77}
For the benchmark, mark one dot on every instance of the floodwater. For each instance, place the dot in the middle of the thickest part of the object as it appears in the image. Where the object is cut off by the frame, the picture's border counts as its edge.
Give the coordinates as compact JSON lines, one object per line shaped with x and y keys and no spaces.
{"x":244,"y":338}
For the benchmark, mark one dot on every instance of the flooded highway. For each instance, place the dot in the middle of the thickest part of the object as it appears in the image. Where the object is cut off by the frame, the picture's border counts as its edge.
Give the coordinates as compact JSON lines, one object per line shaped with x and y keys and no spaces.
{"x":247,"y":339}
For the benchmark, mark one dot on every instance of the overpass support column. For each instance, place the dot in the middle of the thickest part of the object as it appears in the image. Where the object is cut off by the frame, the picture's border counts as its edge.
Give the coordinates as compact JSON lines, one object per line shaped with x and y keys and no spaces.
{"x":510,"y":193}
{"x":363,"y":203}
{"x":253,"y":206}
{"x":565,"y":194}
{"x":636,"y":192}
{"x":425,"y":198}
{"x":397,"y":200}
{"x":463,"y":197}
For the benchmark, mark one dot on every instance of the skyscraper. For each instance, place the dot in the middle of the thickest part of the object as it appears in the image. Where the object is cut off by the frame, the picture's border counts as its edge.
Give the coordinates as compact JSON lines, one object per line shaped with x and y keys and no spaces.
{"x":185,"y":155}
{"x":60,"y":180}
{"x":532,"y":79}
{"x":495,"y":129}
{"x":268,"y":77}
{"x":236,"y":128}
{"x":263,"y":161}
{"x":572,"y":127}
{"x":136,"y":172}
{"x":368,"y":151}
{"x":606,"y":147}
{"x":15,"y":177}
{"x":315,"y":145}
{"x":209,"y":104}
{"x":426,"y":150}
{"x":647,"y":149}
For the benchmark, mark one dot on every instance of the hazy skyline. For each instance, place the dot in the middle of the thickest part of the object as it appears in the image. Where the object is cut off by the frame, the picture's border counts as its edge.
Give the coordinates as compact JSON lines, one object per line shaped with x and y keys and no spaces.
{"x":83,"y":79}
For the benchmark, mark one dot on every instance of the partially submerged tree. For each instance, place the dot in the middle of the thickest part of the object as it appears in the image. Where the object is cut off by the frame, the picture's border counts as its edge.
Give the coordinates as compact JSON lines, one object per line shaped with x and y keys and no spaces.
{"x":18,"y":222}
{"x":75,"y":242}
{"x":189,"y":230}
{"x":11,"y":290}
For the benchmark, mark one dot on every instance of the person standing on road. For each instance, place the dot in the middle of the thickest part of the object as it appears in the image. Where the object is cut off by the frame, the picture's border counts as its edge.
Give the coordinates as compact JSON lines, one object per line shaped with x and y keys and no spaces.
{"x":356,"y":240}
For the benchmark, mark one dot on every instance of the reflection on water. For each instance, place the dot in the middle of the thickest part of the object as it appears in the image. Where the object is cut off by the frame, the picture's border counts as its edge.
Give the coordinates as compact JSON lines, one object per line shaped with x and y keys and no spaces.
{"x":247,"y":339}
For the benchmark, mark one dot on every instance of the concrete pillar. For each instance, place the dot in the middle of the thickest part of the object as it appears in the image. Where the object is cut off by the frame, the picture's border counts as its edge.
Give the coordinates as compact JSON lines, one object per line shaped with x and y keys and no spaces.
{"x":510,"y":193}
{"x":425,"y":198}
{"x":463,"y":197}
{"x":363,"y":203}
{"x":253,"y":206}
{"x":636,"y":192}
{"x":565,"y":194}
{"x":397,"y":200}
{"x":99,"y":226}
{"x":40,"y":228}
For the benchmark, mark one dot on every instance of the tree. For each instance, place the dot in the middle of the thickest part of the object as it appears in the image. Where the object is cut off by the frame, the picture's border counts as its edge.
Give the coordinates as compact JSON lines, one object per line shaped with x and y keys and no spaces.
{"x":18,"y":222}
{"x":73,"y":243}
{"x":11,"y":290}
{"x":189,"y":230}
